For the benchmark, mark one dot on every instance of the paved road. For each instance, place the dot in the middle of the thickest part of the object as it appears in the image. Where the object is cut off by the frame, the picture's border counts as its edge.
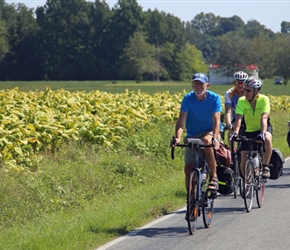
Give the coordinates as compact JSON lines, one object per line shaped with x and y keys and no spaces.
{"x":265,"y":228}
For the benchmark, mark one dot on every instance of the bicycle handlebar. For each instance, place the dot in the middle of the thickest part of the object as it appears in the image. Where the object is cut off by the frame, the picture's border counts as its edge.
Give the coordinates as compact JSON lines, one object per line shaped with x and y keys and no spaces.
{"x":188,"y":145}
{"x":248,"y":140}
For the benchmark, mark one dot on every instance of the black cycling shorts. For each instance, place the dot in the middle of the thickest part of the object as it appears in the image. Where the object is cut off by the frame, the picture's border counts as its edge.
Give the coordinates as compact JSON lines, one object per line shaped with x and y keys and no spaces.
{"x":244,"y":145}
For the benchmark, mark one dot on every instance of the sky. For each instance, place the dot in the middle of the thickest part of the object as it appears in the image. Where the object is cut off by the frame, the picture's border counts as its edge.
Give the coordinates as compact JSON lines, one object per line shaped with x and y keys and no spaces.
{"x":267,"y":13}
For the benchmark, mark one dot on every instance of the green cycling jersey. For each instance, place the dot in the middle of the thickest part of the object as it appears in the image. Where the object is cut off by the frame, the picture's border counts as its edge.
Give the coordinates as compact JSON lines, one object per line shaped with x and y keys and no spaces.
{"x":252,"y":116}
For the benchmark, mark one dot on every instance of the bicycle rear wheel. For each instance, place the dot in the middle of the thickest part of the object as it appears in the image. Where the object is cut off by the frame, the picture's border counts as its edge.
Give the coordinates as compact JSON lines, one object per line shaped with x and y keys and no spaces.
{"x":192,"y":202}
{"x":249,"y":185}
{"x":207,"y":207}
{"x":260,"y":190}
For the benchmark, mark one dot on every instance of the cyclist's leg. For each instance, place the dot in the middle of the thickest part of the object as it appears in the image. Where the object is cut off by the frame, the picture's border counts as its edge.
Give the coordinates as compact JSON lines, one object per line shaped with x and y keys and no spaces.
{"x":268,"y":148}
{"x":267,"y":154}
{"x":187,"y":171}
{"x":211,"y":161}
{"x":243,"y":162}
{"x":189,"y":163}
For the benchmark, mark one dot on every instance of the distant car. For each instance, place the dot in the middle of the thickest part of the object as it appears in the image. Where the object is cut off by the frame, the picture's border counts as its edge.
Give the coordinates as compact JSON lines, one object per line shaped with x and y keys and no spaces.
{"x":278,"y":81}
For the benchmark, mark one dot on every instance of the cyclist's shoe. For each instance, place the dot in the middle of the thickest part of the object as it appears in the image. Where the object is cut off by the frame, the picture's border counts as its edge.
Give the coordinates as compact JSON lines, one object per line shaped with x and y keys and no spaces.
{"x":213,"y":185}
{"x":266,"y":171}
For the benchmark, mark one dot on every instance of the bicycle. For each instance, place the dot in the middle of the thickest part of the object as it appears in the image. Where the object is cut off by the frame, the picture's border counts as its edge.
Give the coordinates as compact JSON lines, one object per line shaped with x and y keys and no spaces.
{"x":253,"y":182}
{"x":199,"y":198}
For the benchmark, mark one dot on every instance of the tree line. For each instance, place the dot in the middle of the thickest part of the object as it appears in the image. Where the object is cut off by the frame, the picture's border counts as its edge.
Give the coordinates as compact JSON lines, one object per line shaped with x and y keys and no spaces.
{"x":79,"y":40}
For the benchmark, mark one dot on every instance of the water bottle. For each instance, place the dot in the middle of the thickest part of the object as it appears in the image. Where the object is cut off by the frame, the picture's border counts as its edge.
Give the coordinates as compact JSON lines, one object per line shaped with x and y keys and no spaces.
{"x":256,"y":165}
{"x":203,"y":179}
{"x":203,"y":176}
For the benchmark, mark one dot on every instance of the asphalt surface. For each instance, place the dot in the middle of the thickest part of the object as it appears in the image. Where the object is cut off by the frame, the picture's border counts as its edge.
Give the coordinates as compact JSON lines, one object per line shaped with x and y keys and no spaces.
{"x":265,"y":228}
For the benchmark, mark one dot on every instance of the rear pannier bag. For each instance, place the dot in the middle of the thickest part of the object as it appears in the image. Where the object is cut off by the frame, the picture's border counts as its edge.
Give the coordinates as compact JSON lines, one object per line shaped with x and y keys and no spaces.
{"x":276,"y":164}
{"x":226,"y":179}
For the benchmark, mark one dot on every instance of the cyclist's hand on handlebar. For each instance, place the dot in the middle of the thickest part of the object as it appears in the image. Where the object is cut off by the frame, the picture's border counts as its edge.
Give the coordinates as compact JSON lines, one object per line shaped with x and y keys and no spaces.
{"x":216,"y":143}
{"x":174,"y":141}
{"x":261,"y":137}
{"x":233,"y":136}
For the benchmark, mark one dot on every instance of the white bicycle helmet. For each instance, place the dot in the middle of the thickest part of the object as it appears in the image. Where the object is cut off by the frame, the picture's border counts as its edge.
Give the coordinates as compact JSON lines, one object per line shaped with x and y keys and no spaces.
{"x":253,"y":83}
{"x":240,"y":76}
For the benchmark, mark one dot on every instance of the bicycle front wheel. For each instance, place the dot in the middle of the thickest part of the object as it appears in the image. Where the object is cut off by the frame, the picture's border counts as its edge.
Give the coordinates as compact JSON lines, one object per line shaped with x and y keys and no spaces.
{"x":237,"y":182}
{"x":249,"y":183}
{"x":207,"y":207}
{"x":192,"y":202}
{"x":260,"y":190}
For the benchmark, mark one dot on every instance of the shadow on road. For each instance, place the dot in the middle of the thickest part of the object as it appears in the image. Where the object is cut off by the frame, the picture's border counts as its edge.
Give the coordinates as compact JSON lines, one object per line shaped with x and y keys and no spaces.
{"x":164,"y":232}
{"x":284,"y":185}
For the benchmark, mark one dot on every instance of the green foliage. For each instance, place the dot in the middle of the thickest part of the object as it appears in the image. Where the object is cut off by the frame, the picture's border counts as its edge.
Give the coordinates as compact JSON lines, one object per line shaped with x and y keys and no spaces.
{"x":139,"y":58}
{"x":85,"y":40}
{"x":188,"y":61}
{"x":281,"y":57}
{"x":3,"y":40}
{"x":285,"y":27}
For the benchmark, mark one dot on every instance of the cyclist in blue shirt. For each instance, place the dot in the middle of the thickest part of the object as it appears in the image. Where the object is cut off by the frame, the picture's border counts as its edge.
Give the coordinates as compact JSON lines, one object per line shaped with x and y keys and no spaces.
{"x":200,"y":115}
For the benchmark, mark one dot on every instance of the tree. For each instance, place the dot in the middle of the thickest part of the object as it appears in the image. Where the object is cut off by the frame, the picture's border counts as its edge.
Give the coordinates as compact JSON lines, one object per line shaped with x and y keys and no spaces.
{"x":139,"y":58}
{"x":168,"y":35}
{"x":254,"y":29}
{"x":189,"y":61}
{"x":207,"y":44}
{"x":235,"y":52}
{"x":281,"y":57}
{"x":285,"y":27}
{"x":64,"y":42}
{"x":127,"y":19}
{"x":205,"y":23}
{"x":20,"y":62}
{"x":225,"y":25}
{"x":3,"y":40}
{"x":264,"y":49}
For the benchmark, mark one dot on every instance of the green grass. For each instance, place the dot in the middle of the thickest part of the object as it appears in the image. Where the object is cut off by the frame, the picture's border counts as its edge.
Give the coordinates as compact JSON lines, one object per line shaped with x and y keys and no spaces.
{"x":121,"y":86}
{"x":89,"y":195}
{"x":85,"y":195}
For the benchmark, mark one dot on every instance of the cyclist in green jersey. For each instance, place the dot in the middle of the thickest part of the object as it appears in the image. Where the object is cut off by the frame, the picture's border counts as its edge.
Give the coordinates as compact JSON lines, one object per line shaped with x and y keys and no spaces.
{"x":255,"y":109}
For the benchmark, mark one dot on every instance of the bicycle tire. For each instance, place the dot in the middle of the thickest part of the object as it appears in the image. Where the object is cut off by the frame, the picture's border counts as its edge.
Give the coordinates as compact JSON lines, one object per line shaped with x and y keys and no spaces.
{"x":240,"y":179}
{"x":207,"y":207}
{"x":236,"y":177}
{"x":249,"y":185}
{"x":260,"y":191}
{"x":192,"y":202}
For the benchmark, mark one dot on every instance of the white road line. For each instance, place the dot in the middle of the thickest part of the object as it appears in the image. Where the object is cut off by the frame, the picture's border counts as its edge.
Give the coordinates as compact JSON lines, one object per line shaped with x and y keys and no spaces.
{"x":165,"y":217}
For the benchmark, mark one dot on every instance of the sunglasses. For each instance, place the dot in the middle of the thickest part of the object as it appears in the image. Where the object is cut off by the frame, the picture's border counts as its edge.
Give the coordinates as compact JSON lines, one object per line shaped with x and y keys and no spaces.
{"x":248,"y":90}
{"x":237,"y":82}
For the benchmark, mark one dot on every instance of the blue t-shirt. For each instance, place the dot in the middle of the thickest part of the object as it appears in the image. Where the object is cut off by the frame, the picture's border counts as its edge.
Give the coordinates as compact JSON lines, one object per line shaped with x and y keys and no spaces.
{"x":199,"y":113}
